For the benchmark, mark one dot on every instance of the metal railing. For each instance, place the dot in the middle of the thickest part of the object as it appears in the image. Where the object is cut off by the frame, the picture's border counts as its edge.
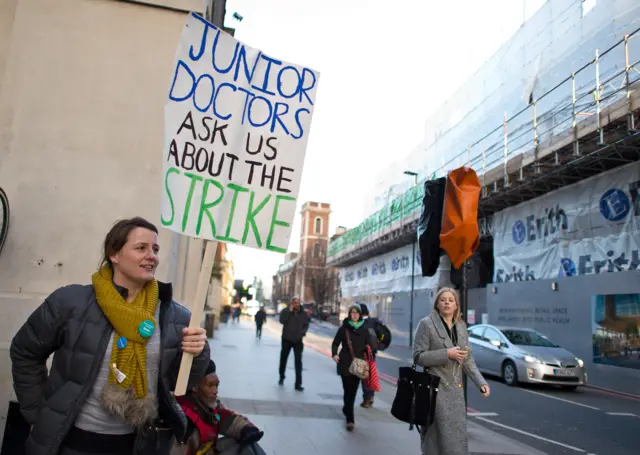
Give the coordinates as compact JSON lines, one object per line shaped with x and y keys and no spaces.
{"x":402,"y":209}
{"x":562,"y":109}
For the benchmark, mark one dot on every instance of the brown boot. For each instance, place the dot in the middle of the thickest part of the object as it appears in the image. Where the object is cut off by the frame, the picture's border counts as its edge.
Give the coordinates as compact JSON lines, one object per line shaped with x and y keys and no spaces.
{"x":366,"y":403}
{"x":351,"y":426}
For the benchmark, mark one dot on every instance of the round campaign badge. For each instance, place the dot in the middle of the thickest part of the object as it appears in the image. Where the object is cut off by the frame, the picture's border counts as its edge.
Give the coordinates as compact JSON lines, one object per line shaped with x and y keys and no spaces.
{"x":122,"y":343}
{"x":146,"y":328}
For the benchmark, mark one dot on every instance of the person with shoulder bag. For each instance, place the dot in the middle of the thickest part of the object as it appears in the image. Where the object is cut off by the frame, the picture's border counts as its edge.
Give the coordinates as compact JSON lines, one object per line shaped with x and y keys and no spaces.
{"x":117,"y":346}
{"x":382,"y":336}
{"x":355,"y":341}
{"x":442,"y":345}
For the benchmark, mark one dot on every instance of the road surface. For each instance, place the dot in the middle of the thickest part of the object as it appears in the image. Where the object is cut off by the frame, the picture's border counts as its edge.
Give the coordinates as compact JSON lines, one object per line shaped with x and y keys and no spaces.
{"x":554,"y":421}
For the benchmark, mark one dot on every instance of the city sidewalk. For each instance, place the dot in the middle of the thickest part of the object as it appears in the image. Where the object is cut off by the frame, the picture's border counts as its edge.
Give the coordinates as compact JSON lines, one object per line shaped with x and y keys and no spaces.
{"x":311,"y":422}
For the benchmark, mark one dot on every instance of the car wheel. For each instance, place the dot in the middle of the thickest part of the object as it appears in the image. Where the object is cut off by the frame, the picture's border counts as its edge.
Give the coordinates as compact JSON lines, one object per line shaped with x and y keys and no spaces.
{"x":570,"y":387}
{"x":509,"y":373}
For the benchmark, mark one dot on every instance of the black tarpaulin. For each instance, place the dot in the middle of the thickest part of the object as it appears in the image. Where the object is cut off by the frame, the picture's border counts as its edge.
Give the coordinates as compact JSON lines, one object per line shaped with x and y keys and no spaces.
{"x":430,"y":225}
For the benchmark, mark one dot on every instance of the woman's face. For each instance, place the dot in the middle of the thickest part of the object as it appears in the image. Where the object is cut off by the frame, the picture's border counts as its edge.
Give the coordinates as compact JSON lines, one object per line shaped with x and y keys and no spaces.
{"x":137,"y":261}
{"x":447,"y":304}
{"x":354,"y":315}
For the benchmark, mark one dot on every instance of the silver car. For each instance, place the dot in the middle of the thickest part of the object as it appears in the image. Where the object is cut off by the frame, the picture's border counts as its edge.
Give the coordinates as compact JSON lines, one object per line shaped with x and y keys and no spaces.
{"x":524,"y":355}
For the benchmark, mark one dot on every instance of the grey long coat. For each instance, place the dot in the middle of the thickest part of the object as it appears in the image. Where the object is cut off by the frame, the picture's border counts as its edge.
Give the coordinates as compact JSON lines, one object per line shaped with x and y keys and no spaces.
{"x":448,"y":434}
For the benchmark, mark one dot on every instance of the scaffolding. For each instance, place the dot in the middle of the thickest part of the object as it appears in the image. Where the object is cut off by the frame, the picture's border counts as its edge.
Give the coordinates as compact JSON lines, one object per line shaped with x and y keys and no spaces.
{"x":564,"y":136}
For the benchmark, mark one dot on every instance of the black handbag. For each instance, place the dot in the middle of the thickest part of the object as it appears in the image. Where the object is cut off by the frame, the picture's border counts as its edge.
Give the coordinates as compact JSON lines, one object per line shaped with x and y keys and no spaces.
{"x":416,"y":395}
{"x":16,"y":431}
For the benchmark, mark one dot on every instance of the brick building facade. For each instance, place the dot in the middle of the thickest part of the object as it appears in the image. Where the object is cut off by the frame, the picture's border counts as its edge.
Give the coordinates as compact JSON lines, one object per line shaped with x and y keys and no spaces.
{"x":304,"y":274}
{"x":284,"y":282}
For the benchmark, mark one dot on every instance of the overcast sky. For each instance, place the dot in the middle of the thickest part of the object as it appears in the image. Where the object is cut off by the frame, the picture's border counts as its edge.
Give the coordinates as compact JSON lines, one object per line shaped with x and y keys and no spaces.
{"x":383,"y":71}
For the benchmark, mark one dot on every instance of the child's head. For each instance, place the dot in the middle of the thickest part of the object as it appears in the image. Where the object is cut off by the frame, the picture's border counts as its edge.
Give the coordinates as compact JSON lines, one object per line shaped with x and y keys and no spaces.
{"x":207,"y":390}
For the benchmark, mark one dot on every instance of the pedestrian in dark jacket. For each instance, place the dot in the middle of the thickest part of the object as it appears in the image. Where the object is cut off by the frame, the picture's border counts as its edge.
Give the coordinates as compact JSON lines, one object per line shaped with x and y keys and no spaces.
{"x":260,"y":317}
{"x":226,"y":314}
{"x":352,"y":330}
{"x":295,"y":323}
{"x":237,"y":311}
{"x":370,"y":324}
{"x":117,"y":346}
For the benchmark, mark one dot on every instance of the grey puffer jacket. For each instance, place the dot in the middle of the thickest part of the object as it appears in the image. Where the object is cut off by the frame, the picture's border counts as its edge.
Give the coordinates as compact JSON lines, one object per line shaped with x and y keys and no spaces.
{"x":71,"y":326}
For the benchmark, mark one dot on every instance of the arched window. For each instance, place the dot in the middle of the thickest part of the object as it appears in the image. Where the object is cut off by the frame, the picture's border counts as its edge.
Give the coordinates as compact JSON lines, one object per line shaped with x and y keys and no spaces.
{"x":318,"y":225}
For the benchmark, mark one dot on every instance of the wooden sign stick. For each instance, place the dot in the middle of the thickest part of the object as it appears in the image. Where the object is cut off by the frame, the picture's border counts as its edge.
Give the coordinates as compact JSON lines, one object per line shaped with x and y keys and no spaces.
{"x":196,"y":308}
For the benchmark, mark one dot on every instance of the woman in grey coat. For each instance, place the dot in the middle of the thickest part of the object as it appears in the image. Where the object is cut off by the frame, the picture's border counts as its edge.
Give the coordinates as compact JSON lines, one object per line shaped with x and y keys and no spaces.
{"x":442,"y":345}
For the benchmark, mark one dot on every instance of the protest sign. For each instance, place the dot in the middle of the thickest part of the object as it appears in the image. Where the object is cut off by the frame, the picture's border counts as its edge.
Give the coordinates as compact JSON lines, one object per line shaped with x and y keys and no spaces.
{"x":236,"y":128}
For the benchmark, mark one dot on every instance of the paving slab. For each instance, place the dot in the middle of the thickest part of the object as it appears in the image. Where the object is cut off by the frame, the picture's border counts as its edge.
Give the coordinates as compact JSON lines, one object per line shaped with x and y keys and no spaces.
{"x":311,"y":422}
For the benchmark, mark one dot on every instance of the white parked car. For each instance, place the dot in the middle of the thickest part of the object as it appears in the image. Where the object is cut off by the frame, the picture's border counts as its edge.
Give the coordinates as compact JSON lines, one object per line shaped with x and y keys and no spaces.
{"x":524,"y":355}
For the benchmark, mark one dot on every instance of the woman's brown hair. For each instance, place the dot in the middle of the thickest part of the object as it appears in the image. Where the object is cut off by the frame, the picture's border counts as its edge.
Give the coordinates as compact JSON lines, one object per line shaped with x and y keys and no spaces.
{"x":456,"y":314}
{"x":118,"y":236}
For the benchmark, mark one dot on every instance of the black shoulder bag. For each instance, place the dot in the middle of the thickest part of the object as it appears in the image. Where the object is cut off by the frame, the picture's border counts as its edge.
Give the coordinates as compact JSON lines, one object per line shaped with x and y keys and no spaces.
{"x":415,"y":400}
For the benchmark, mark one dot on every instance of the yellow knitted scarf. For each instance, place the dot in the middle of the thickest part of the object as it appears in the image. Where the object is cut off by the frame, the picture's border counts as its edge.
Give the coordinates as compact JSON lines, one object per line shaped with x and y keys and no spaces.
{"x":126,"y":319}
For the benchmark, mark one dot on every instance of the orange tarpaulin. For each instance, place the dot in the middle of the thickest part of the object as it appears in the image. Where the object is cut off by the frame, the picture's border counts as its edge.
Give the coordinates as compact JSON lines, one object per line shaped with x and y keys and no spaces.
{"x":460,"y":235}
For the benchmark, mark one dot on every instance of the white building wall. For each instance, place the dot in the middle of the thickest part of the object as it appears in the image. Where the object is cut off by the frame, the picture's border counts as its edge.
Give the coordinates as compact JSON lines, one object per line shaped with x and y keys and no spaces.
{"x":82,"y":90}
{"x":558,"y":39}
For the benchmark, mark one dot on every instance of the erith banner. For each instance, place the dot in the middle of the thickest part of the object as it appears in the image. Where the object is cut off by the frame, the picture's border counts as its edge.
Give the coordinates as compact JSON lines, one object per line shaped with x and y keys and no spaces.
{"x":390,"y":272}
{"x":236,"y":129}
{"x":590,"y":227}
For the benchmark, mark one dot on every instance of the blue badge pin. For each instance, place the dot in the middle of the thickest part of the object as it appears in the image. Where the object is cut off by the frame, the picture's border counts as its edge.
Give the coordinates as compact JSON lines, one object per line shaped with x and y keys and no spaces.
{"x":122,"y":343}
{"x":146,"y":328}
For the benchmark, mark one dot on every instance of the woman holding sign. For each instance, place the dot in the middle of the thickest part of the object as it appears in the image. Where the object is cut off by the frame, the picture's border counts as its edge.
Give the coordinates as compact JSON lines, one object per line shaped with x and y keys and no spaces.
{"x":117,"y":346}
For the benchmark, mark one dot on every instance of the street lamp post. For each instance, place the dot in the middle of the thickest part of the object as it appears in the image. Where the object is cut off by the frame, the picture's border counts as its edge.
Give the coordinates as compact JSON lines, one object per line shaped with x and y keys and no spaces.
{"x":413,"y":265}
{"x":464,"y":305}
